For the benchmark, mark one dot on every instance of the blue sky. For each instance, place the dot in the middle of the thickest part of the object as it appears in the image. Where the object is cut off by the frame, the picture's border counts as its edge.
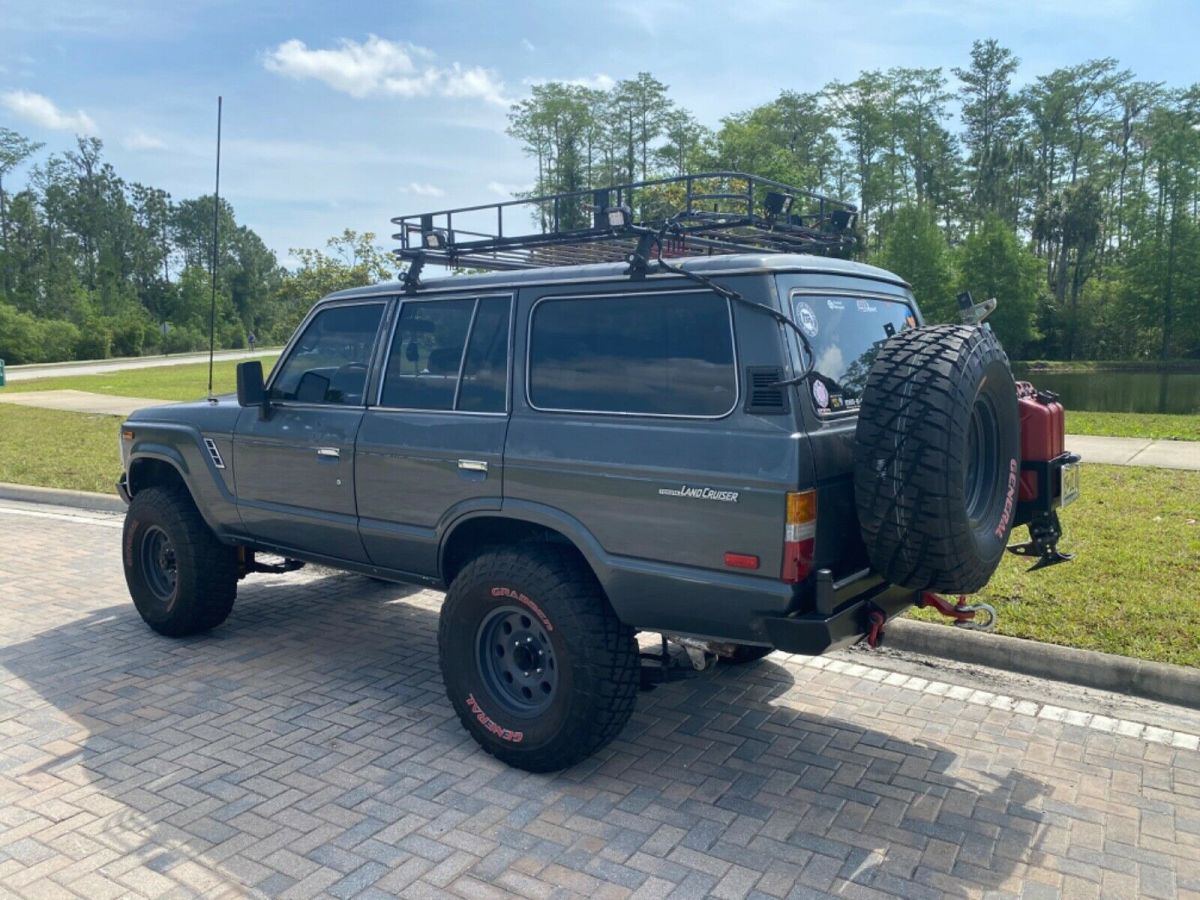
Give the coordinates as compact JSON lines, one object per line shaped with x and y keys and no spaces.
{"x":343,"y":115}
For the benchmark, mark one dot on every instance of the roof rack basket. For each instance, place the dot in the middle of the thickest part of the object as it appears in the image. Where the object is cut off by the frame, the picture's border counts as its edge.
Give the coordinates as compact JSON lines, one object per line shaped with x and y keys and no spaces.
{"x":695,"y":215}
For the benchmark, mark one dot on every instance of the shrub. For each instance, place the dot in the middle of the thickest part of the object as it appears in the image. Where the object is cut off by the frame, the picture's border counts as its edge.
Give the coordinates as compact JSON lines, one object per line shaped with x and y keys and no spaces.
{"x":95,"y":340}
{"x":58,"y":340}
{"x":128,"y":336}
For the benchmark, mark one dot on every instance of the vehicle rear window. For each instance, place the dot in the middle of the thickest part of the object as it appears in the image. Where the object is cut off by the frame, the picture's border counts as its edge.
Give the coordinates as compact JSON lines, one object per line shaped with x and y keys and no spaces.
{"x":845,"y":333}
{"x":648,"y":354}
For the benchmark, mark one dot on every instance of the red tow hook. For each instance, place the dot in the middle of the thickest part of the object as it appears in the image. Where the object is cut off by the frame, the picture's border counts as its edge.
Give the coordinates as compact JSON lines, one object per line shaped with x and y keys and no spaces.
{"x":961,"y":612}
{"x":875,"y":619}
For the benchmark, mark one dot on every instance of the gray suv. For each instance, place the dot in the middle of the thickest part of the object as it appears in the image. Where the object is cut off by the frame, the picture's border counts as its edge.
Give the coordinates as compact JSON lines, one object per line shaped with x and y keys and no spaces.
{"x":741,"y":451}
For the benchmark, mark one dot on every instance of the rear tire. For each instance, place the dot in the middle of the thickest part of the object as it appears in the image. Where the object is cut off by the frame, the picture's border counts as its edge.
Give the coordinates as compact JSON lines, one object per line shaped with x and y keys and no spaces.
{"x":181,"y":578}
{"x":938,"y":458}
{"x":537,"y":665}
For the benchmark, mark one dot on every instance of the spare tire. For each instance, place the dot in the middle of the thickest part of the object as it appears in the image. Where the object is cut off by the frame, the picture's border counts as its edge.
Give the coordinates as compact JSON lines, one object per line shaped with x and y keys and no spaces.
{"x":938,"y":458}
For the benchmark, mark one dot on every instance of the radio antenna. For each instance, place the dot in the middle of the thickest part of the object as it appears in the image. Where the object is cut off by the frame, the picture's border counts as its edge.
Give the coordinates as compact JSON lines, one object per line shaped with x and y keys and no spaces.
{"x":212,"y":276}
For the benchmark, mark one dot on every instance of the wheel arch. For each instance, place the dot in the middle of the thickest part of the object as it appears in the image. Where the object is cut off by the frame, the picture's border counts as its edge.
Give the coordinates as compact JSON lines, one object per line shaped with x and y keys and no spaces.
{"x":155,"y":471}
{"x":466,"y":537}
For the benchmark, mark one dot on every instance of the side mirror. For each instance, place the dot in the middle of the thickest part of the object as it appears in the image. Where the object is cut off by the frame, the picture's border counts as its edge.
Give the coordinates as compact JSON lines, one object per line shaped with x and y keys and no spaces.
{"x":250,"y":390}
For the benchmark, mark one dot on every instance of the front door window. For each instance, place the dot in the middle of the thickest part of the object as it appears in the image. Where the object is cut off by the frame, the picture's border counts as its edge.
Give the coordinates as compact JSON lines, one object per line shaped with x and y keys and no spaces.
{"x":330,"y":360}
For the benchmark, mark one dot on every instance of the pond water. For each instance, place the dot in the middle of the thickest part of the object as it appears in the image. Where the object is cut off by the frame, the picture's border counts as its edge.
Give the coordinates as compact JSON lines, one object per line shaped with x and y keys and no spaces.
{"x":1138,"y":392}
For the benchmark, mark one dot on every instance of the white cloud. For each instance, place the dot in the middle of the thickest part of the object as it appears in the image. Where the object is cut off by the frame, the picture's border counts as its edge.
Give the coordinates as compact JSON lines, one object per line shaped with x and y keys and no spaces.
{"x":600,"y":81}
{"x":40,"y":110}
{"x":381,"y":67}
{"x":423,"y":190}
{"x":507,"y":191}
{"x":528,"y":45}
{"x":140,"y":140}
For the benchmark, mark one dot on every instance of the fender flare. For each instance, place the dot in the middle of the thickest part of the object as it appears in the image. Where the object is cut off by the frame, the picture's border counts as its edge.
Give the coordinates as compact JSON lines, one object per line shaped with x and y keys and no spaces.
{"x":537,"y":514}
{"x":154,"y":448}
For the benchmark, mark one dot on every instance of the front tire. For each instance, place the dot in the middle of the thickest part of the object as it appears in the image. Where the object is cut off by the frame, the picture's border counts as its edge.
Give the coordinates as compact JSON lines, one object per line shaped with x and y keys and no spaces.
{"x":536,"y":663}
{"x":181,"y":578}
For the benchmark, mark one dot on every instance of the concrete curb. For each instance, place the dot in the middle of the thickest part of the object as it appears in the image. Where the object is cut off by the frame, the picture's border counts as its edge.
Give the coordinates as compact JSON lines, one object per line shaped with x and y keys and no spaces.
{"x":56,"y":497}
{"x":1089,"y":668}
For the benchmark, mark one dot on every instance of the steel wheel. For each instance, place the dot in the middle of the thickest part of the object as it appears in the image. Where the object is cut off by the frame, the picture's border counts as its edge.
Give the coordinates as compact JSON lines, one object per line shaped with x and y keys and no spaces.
{"x":517,"y":661}
{"x":159,"y":565}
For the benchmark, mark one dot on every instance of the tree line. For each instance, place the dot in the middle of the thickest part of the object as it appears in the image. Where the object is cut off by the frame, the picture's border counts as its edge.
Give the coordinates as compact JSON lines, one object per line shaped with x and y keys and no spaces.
{"x":1072,"y":199}
{"x":93,"y":266}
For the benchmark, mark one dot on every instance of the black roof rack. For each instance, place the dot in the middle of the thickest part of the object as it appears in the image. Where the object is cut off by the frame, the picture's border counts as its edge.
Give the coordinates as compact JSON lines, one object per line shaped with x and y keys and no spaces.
{"x":691,"y":215}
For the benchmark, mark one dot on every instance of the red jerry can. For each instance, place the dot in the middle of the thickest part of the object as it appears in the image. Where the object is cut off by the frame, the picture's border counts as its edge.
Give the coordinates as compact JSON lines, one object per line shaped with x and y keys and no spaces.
{"x":1043,"y":431}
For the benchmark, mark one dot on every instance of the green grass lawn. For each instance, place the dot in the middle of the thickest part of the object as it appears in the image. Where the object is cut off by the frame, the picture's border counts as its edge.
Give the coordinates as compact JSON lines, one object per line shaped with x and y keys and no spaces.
{"x":182,"y":382}
{"x":49,"y":448}
{"x":1134,"y":584}
{"x":1139,"y":425}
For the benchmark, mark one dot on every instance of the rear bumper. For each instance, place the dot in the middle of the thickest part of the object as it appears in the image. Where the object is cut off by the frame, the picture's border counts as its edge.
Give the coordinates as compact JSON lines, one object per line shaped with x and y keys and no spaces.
{"x":816,"y":633}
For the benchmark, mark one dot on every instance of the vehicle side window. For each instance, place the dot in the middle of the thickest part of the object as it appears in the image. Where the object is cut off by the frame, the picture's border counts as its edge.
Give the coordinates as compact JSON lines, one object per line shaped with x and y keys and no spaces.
{"x":426,"y":354}
{"x":650,"y":354}
{"x":485,"y":372}
{"x":330,"y":360}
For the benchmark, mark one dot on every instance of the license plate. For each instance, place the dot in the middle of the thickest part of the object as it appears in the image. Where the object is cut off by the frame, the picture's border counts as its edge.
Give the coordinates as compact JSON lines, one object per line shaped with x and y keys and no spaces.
{"x":1070,"y":483}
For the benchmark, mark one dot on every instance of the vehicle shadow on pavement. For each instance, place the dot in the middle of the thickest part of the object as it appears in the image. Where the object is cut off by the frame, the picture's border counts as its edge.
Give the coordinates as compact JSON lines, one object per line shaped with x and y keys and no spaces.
{"x":308,"y":740}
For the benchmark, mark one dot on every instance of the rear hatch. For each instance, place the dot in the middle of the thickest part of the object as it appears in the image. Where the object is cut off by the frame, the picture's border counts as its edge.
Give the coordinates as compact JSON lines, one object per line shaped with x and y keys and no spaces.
{"x":844,"y":321}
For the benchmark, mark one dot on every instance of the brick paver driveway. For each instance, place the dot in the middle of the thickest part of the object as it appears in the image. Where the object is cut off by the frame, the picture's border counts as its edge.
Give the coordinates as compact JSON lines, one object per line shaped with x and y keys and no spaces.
{"x":305,"y":748}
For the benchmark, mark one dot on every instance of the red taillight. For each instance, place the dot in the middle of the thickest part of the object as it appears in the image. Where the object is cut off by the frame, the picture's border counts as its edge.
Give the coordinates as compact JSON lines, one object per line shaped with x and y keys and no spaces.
{"x":800,"y":536}
{"x":741,"y":561}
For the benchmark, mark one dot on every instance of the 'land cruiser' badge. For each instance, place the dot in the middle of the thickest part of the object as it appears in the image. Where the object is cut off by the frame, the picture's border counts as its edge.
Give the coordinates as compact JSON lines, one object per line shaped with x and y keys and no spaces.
{"x":700,"y":493}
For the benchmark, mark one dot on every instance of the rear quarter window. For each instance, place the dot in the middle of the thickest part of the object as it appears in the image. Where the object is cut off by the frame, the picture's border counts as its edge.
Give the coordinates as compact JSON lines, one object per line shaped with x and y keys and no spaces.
{"x":641,"y":354}
{"x":845,"y":333}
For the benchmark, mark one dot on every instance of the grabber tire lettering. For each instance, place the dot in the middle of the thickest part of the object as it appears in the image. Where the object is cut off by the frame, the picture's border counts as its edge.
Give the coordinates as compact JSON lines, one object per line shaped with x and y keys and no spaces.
{"x":538,"y":667}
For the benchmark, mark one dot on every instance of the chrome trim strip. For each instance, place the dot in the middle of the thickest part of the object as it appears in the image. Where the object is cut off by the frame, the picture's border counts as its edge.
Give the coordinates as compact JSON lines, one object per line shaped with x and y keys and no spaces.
{"x":737,"y":381}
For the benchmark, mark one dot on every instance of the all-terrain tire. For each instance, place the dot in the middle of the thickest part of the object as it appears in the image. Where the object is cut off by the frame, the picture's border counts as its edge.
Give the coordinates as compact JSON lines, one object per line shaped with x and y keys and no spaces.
{"x":938,"y":458}
{"x":181,"y":578}
{"x":744,"y":654}
{"x":537,"y":665}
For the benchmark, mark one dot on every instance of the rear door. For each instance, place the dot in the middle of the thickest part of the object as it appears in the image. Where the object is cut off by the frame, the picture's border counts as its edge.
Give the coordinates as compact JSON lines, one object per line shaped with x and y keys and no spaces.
{"x":845,"y":321}
{"x":295,"y":467}
{"x":432,"y":448}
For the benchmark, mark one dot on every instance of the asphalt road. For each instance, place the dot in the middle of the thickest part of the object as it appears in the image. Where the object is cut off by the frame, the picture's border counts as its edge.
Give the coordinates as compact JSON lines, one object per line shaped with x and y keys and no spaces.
{"x":305,"y":748}
{"x":13,"y":374}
